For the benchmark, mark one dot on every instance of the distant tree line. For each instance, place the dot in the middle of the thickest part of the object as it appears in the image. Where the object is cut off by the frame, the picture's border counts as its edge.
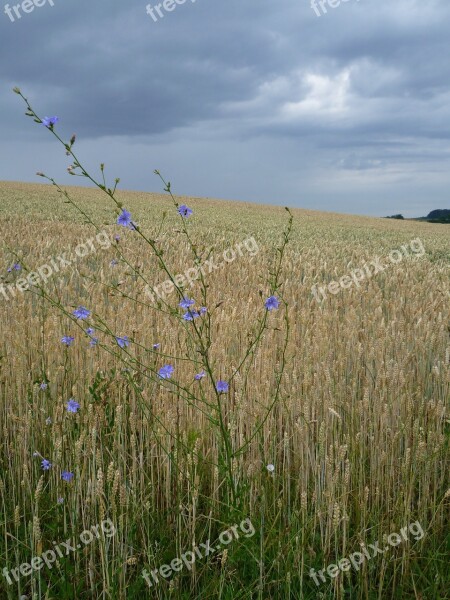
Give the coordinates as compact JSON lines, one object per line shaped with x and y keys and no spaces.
{"x":395,"y":217}
{"x":440,"y":215}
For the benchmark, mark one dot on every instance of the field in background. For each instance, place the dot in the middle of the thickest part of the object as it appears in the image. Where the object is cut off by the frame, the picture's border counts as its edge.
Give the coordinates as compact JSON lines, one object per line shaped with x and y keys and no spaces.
{"x":359,"y":440}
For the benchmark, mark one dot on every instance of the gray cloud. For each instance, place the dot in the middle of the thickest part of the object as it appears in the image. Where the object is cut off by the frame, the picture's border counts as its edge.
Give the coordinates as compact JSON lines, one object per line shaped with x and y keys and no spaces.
{"x":251,"y":100}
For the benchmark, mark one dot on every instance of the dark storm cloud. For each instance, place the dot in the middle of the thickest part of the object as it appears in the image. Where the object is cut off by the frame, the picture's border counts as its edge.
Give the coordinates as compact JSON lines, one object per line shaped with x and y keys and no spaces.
{"x":361,"y":89}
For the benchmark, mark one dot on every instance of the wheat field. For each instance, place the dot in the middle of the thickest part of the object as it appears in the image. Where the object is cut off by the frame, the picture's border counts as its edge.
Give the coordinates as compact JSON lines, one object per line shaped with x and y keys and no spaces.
{"x":353,"y":449}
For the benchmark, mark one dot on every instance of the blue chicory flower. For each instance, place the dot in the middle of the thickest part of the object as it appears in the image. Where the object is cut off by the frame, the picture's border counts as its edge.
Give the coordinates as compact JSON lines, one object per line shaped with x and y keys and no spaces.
{"x":67,"y":476}
{"x":185,"y":211}
{"x":272,"y":302}
{"x":166,"y":372}
{"x":222,"y":386}
{"x":81,"y":313}
{"x":50,"y":121}
{"x":72,"y":406}
{"x":124,"y":218}
{"x":186,"y":302}
{"x":190,"y":315}
{"x":123,"y":341}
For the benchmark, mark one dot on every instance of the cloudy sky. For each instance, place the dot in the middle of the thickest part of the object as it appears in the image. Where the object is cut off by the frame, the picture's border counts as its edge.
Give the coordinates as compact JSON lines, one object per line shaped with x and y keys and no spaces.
{"x":251,"y":100}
